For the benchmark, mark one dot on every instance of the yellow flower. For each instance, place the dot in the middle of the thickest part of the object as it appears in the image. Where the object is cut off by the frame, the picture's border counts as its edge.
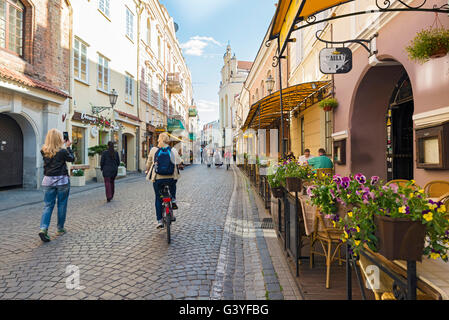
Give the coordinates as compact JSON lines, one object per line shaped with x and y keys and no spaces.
{"x":428,"y":216}
{"x":350,"y":214}
{"x":357,"y":242}
{"x":402,"y":209}
{"x":346,"y":235}
{"x":431,"y":206}
{"x":444,"y":257}
{"x":334,"y":223}
{"x":442,"y":209}
{"x":434,"y":255}
{"x":411,"y":195}
{"x":421,"y":191}
{"x":413,"y":181}
{"x":358,"y":229}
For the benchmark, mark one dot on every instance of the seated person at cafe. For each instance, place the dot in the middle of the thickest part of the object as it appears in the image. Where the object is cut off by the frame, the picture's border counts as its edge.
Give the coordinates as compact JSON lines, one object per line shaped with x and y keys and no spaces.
{"x":306,"y":157}
{"x":321,"y":162}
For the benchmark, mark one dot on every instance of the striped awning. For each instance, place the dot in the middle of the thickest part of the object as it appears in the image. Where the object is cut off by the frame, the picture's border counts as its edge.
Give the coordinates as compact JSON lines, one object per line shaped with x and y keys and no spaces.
{"x":270,"y":107}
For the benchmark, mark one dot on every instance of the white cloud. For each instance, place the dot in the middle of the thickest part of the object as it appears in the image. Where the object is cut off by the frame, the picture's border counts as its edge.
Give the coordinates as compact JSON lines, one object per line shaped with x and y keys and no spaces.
{"x":207,"y":106}
{"x":196,"y":45}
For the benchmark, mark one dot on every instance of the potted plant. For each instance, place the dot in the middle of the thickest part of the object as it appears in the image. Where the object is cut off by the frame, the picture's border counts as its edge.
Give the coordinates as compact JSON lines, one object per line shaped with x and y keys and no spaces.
{"x":328,"y":104}
{"x":395,"y":221}
{"x":275,"y":178}
{"x":429,"y":44}
{"x":263,"y":165}
{"x":295,"y":175}
{"x":77,"y":179}
{"x":97,"y":151}
{"x":121,"y":170}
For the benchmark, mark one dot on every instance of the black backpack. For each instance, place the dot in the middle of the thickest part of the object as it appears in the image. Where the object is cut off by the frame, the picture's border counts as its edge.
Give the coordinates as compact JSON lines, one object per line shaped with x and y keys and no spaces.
{"x":164,"y":164}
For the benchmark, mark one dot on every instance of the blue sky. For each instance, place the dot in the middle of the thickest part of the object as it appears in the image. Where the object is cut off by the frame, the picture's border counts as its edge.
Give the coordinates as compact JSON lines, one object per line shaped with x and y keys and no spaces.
{"x":205,"y":27}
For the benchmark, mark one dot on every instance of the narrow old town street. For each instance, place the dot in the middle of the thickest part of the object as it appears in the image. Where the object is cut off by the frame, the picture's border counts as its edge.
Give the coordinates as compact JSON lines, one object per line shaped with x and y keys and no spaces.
{"x":218,"y":250}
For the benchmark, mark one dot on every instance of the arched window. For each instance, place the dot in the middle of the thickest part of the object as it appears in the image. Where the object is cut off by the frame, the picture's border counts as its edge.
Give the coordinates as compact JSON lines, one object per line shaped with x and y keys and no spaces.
{"x":257,"y":94}
{"x":148,"y":31}
{"x":262,"y":89}
{"x":11,"y":25}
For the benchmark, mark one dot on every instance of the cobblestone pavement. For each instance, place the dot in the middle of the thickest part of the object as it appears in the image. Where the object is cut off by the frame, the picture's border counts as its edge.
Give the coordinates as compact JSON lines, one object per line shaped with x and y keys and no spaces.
{"x":215,"y":253}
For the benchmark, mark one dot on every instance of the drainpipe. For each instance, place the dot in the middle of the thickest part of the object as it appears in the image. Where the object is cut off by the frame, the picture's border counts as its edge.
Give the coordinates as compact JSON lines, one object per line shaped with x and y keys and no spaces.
{"x":139,"y":6}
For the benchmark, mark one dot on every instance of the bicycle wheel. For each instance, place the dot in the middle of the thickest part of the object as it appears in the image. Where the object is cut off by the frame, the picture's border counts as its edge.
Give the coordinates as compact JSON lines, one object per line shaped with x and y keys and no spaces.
{"x":168,"y":224}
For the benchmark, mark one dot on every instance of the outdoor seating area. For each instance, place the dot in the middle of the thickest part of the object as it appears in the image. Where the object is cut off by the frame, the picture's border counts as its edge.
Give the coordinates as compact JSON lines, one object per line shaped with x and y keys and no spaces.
{"x":331,"y":257}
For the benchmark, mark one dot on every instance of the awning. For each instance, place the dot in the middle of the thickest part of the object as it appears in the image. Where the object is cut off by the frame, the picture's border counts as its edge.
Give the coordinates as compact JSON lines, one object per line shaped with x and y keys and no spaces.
{"x":270,"y":108}
{"x":306,"y":9}
{"x":174,"y":124}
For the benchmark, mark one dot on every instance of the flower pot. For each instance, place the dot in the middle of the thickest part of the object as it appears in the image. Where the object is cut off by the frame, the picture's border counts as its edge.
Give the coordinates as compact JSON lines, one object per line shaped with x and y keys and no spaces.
{"x":400,"y":238}
{"x":76,"y":181}
{"x":99,"y":175}
{"x":293,"y":184}
{"x":438,"y":53}
{"x":277,"y":192}
{"x":327,"y":108}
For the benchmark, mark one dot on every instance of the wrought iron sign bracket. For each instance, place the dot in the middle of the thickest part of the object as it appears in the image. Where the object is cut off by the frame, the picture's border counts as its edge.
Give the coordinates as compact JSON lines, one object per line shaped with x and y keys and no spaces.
{"x":99,"y":109}
{"x":382,"y":6}
{"x":365,"y":43}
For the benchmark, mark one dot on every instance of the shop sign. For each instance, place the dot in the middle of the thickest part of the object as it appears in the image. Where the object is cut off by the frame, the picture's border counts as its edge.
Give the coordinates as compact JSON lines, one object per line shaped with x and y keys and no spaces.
{"x":335,"y":60}
{"x":174,"y":124}
{"x":193,"y":112}
{"x":83,"y":117}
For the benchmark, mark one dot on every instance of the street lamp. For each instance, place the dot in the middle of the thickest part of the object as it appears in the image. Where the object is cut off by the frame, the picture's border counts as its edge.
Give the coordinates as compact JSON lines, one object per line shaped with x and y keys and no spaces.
{"x":270,"y":83}
{"x":113,"y":95}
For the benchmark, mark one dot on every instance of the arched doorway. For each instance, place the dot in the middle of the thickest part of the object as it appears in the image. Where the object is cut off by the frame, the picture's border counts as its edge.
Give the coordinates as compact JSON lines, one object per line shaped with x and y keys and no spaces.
{"x":128,"y":154}
{"x":400,"y":132}
{"x":382,"y":125}
{"x":11,"y":152}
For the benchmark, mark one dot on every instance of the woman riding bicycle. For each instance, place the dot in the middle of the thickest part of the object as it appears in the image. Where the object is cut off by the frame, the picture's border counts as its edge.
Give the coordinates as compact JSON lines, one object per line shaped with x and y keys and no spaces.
{"x":161,"y":172}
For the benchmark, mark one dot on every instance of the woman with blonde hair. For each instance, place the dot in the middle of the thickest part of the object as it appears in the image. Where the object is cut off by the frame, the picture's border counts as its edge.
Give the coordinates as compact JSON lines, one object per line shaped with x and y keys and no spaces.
{"x":56,"y":183}
{"x":162,"y":169}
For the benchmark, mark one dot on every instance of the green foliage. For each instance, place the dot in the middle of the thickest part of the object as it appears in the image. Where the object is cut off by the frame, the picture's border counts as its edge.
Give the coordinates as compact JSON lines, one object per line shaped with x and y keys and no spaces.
{"x":99,"y":149}
{"x":427,"y":43}
{"x":78,"y":172}
{"x":122,"y":164}
{"x":329,"y":102}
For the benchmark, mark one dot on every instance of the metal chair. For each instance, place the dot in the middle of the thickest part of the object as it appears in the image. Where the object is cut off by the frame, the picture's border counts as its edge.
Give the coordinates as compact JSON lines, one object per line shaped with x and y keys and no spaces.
{"x":326,"y":235}
{"x":437,"y":188}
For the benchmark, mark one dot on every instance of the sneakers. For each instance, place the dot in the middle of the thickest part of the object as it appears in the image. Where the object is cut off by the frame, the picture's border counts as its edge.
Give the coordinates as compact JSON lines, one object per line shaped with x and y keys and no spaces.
{"x":61,"y":232}
{"x":44,"y":236}
{"x":174,"y":206}
{"x":160,"y":225}
{"x":173,"y":218}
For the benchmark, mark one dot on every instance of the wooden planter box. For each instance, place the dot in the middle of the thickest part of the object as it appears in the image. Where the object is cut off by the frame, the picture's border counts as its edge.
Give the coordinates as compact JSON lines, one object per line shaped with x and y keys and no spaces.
{"x":400,"y":238}
{"x":293,"y":184}
{"x":121,"y":172}
{"x":77,"y":181}
{"x":277,"y":192}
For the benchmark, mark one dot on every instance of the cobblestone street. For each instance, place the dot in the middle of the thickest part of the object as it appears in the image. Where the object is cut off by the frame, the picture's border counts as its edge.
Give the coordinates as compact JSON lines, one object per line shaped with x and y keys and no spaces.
{"x":216,"y":252}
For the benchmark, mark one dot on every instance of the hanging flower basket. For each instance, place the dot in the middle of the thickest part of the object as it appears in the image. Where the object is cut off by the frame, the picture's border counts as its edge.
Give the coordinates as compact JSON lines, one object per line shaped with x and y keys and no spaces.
{"x":277,"y":192}
{"x":329,"y":104}
{"x":293,"y":184}
{"x":429,"y":44}
{"x":400,"y":238}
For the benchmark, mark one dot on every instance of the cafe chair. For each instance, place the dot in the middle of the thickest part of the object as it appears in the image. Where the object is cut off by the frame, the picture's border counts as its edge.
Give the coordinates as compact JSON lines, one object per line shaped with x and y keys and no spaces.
{"x":399,"y":182}
{"x":445,"y":200}
{"x":437,"y":188}
{"x":327,"y":236}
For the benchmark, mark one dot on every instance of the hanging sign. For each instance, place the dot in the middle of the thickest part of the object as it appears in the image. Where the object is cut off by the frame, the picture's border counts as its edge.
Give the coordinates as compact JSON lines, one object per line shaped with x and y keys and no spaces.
{"x":335,"y":60}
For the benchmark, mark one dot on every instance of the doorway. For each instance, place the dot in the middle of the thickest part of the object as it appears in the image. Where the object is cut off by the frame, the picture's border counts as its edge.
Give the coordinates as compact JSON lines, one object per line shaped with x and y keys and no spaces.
{"x":125,"y":150}
{"x":11,"y":152}
{"x":400,"y":132}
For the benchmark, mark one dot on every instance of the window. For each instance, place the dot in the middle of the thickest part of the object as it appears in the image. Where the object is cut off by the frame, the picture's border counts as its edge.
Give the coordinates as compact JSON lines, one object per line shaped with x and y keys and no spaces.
{"x":78,"y":144}
{"x":11,"y":25}
{"x":103,"y":6}
{"x":80,"y":60}
{"x":129,"y":81}
{"x":159,"y":48}
{"x":103,"y":73}
{"x":129,"y":24}
{"x":148,"y":31}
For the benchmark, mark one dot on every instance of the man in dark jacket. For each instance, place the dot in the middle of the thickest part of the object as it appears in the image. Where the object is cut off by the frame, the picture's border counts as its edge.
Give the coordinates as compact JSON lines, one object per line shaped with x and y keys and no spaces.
{"x":109,"y":163}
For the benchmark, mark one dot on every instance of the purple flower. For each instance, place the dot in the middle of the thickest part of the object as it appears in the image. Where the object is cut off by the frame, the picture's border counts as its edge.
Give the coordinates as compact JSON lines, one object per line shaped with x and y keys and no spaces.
{"x":360,"y":178}
{"x":337,"y":179}
{"x":309,"y":191}
{"x":345,"y":182}
{"x":374,"y":180}
{"x":332,"y":193}
{"x":394,"y":187}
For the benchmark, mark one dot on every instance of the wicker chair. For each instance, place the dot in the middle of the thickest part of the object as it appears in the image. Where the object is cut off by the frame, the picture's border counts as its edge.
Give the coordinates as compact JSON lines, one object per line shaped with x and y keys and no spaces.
{"x":437,"y":188}
{"x":445,"y":200}
{"x":327,"y":236}
{"x":399,"y":182}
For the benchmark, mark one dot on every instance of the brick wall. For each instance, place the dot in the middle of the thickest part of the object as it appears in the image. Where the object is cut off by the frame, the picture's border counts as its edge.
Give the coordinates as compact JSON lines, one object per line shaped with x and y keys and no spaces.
{"x":46,"y":53}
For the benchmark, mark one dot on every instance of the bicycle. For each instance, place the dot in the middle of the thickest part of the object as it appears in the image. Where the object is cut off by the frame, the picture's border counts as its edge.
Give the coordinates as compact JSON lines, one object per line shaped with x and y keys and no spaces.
{"x":167,"y":210}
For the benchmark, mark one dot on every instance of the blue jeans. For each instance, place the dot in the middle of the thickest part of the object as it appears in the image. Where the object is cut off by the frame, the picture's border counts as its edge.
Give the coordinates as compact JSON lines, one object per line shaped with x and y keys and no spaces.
{"x":51,"y":194}
{"x":157,"y":192}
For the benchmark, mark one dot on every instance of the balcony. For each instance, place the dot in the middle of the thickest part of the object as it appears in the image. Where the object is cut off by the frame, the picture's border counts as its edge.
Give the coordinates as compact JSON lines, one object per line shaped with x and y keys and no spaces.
{"x":174,"y":84}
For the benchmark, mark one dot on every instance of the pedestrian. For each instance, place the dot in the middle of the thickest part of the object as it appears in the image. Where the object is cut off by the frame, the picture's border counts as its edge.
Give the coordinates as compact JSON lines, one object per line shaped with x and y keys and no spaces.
{"x":56,"y":182}
{"x":321,"y":162}
{"x":110,"y":160}
{"x":161,"y":169}
{"x":305,"y":157}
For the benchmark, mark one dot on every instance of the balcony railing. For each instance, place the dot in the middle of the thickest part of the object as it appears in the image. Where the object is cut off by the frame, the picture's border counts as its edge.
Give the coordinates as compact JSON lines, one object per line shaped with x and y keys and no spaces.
{"x":174,"y":84}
